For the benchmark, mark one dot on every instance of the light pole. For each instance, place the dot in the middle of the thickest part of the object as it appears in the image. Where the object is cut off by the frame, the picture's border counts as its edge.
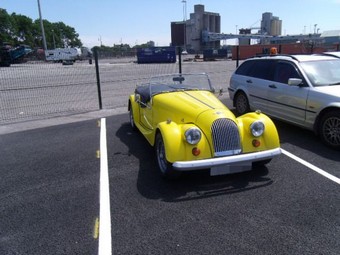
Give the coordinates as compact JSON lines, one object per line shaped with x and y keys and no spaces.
{"x":185,"y":22}
{"x":42,"y":27}
{"x":53,"y":38}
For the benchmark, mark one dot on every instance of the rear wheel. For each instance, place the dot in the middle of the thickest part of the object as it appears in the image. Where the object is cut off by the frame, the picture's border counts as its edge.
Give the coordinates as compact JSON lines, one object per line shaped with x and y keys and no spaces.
{"x":241,"y":103}
{"x":329,"y":129}
{"x":164,"y":166}
{"x":132,"y":121}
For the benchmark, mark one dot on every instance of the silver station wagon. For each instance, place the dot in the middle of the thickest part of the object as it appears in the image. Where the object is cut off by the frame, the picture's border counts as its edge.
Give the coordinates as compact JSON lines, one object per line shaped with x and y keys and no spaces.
{"x":300,"y":89}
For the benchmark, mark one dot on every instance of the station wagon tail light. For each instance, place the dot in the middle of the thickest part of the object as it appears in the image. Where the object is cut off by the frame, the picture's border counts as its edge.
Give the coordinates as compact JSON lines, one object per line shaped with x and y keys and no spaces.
{"x":193,"y":135}
{"x":257,"y":128}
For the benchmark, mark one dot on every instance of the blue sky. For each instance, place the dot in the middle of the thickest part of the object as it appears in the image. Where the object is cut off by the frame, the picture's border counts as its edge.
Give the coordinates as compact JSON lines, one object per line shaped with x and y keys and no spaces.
{"x":136,"y":21}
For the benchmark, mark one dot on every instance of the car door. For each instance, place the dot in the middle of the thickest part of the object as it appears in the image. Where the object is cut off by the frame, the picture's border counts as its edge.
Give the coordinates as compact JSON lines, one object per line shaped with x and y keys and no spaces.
{"x":287,"y":102}
{"x":146,"y":116}
{"x":258,"y":79}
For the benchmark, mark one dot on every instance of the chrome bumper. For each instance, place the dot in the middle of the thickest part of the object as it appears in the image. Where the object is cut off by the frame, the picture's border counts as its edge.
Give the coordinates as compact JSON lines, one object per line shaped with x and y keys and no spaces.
{"x":240,"y":159}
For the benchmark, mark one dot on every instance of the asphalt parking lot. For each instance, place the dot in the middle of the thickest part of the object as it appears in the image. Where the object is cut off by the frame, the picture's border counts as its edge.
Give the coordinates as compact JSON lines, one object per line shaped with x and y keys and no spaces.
{"x":51,"y":187}
{"x":50,"y":191}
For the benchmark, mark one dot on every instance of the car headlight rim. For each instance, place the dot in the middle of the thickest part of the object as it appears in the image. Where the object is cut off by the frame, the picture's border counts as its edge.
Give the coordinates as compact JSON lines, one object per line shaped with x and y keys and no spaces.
{"x":193,"y":135}
{"x":257,"y":128}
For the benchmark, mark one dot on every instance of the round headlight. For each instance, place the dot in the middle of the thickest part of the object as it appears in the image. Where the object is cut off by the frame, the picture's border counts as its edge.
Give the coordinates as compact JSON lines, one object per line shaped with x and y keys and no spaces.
{"x":193,"y":135}
{"x":257,"y":128}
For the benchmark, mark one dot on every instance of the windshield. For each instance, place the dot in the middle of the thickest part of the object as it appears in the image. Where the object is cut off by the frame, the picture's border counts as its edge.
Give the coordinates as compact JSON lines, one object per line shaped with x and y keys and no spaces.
{"x":179,"y":82}
{"x":323,"y":73}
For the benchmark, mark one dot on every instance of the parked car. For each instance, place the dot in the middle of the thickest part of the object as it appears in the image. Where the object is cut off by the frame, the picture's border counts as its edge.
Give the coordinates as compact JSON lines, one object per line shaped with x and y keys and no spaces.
{"x":190,"y":128}
{"x":301,"y":89}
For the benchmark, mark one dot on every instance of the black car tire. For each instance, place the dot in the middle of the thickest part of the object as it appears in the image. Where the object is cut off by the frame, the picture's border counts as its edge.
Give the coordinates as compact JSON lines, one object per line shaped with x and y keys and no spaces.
{"x":132,"y":121}
{"x":241,"y":103}
{"x":164,"y":166}
{"x":329,"y":129}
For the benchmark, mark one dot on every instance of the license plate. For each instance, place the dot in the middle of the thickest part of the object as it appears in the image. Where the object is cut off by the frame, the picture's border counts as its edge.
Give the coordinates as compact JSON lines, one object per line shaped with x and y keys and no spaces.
{"x":229,"y":169}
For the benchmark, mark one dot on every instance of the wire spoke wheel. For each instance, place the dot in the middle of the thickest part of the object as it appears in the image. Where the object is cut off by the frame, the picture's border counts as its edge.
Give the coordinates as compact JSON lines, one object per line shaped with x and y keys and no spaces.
{"x":164,"y":166}
{"x":160,"y":151}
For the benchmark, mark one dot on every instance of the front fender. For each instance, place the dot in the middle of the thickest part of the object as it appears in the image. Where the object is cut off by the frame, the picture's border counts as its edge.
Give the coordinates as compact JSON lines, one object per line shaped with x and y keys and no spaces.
{"x":176,"y":147}
{"x":134,"y":106}
{"x":269,"y":139}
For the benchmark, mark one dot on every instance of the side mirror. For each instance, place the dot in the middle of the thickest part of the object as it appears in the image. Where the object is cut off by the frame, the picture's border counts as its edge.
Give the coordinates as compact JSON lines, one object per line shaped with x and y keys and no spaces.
{"x":137,"y":98}
{"x":179,"y":79}
{"x":294,"y":81}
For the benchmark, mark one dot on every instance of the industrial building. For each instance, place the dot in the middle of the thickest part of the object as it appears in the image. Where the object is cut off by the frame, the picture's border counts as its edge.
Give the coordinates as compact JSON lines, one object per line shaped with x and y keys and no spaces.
{"x":188,"y":34}
{"x":270,"y":25}
{"x":203,"y":32}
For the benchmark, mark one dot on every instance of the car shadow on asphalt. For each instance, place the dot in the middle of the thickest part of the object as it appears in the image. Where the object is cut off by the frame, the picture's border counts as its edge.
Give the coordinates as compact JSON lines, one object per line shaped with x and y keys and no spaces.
{"x":191,"y":185}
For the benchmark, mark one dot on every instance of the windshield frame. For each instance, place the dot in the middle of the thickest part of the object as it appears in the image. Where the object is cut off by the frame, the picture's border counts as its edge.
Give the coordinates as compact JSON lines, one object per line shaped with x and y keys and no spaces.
{"x":179,"y":82}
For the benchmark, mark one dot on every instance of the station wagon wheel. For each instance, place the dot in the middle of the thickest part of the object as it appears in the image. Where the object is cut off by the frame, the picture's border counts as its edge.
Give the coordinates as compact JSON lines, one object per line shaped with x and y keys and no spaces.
{"x":164,"y":166}
{"x":241,"y":103}
{"x":329,"y":129}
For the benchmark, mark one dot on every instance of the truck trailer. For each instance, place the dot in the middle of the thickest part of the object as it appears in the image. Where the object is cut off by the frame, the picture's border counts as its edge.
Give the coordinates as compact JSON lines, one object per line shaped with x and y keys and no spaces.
{"x":156,"y":55}
{"x":63,"y":54}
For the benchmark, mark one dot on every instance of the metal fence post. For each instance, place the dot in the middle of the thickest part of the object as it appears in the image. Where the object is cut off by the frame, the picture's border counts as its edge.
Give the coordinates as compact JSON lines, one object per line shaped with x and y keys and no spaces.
{"x":237,"y":55}
{"x":98,"y":78}
{"x":180,"y":59}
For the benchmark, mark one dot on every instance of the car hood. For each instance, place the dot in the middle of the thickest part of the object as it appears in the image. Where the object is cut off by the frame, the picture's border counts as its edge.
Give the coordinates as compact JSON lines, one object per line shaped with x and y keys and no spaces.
{"x":333,"y":91}
{"x":199,"y":107}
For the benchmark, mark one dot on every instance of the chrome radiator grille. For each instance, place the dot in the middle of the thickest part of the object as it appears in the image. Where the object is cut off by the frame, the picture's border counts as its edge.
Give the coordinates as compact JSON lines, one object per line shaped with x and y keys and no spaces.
{"x":226,"y":137}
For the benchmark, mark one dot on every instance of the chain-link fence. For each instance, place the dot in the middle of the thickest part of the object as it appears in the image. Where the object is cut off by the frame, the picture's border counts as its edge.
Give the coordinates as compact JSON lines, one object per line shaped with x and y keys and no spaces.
{"x":39,"y":90}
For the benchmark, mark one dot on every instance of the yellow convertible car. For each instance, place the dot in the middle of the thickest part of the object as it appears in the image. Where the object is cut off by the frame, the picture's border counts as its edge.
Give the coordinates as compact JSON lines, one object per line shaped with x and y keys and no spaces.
{"x":190,"y":128}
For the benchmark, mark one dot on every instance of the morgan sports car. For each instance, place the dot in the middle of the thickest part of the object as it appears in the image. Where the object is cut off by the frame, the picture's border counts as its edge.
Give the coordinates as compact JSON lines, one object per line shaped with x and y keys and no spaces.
{"x":191,"y":129}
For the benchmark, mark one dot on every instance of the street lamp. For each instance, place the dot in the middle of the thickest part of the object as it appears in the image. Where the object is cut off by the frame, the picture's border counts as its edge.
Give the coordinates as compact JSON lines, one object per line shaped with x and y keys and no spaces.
{"x":53,"y":38}
{"x":185,"y":22}
{"x":42,"y":27}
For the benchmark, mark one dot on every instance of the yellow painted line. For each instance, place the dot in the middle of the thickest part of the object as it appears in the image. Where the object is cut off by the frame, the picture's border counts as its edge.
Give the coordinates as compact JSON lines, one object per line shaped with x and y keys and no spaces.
{"x":96,"y":229}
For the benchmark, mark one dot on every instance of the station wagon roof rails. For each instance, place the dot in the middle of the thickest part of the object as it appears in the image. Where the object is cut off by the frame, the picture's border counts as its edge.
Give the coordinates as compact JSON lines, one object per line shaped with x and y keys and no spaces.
{"x":275,"y":55}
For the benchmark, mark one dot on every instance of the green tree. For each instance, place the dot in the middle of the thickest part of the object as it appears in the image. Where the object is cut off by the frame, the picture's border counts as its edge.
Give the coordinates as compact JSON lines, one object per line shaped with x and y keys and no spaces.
{"x":22,"y":29}
{"x":5,"y":27}
{"x":19,"y":29}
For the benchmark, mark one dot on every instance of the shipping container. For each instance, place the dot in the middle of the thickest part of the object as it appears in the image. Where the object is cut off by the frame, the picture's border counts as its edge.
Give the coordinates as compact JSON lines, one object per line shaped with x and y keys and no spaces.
{"x":156,"y":55}
{"x":247,"y":51}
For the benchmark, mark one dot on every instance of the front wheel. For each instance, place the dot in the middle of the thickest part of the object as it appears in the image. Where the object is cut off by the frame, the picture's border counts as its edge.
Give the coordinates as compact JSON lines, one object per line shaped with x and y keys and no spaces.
{"x":241,"y":103}
{"x":164,"y":166}
{"x":329,"y":129}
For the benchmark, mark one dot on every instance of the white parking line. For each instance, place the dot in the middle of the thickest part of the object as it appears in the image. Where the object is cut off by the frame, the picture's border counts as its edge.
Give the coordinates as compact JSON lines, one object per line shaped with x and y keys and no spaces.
{"x":309,"y":165}
{"x":105,"y":246}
